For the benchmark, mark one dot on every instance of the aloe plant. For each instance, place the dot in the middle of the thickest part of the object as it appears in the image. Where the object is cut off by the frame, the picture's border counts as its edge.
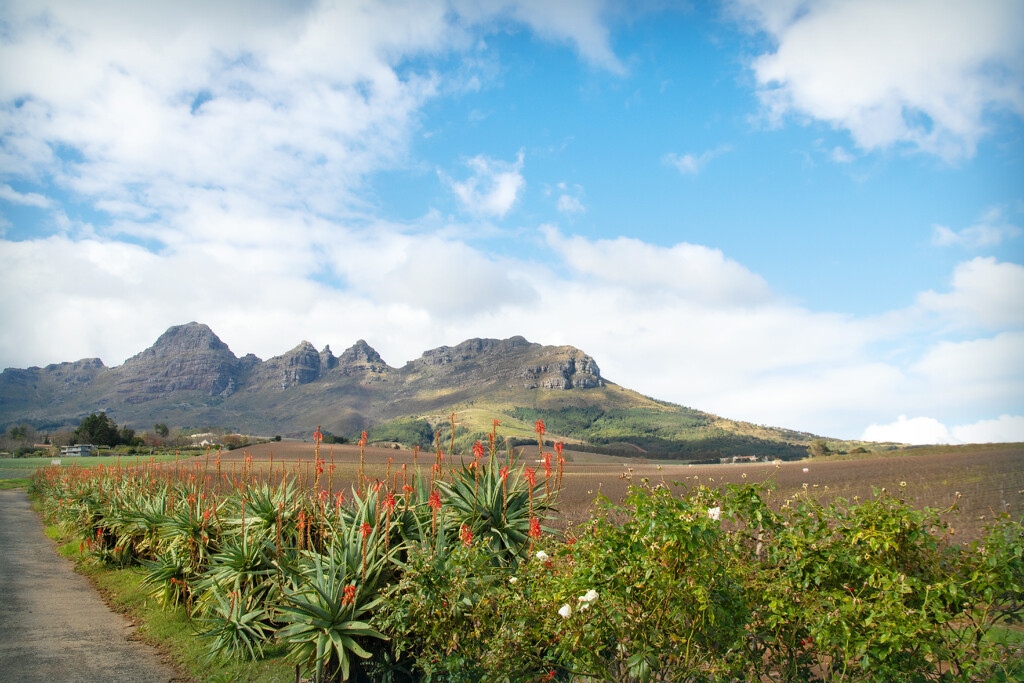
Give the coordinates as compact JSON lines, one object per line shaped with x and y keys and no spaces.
{"x":496,"y":505}
{"x":233,"y":629}
{"x":324,"y":616}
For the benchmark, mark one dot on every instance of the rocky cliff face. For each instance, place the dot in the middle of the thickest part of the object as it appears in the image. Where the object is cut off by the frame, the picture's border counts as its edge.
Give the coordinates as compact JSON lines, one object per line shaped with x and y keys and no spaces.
{"x":185,"y":358}
{"x":301,"y":365}
{"x":470,"y":350}
{"x":512,"y":362}
{"x":564,"y":368}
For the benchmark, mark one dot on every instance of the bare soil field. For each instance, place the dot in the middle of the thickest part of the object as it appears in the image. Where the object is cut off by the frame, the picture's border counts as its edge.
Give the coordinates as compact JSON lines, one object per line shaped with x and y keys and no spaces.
{"x":989,"y":478}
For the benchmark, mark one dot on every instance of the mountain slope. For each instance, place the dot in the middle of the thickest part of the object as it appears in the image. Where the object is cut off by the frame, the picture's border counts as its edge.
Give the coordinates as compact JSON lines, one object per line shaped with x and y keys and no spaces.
{"x":189,"y":377}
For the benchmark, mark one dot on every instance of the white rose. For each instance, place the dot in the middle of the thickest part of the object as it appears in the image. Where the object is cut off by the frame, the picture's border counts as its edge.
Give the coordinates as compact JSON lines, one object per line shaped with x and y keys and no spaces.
{"x":564,"y":611}
{"x":542,"y":556}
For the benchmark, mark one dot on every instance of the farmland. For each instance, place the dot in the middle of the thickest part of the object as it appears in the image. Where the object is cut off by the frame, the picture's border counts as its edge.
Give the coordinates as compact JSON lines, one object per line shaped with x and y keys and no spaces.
{"x":990,"y":478}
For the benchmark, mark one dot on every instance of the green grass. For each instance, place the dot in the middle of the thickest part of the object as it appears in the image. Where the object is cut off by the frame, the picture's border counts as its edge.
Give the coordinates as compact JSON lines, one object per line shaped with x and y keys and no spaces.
{"x":23,"y":468}
{"x":13,"y":483}
{"x":171,"y":629}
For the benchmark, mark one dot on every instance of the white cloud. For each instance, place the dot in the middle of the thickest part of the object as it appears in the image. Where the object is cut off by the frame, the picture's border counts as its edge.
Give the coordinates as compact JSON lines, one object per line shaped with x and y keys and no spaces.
{"x":569,"y":204}
{"x":985,"y":292}
{"x":301,"y":102}
{"x":915,"y":431}
{"x":923,"y":73}
{"x":444,"y":278}
{"x":927,"y":430}
{"x":841,"y":156}
{"x":569,"y":199}
{"x":975,"y":362}
{"x":692,"y":164}
{"x":493,"y":188}
{"x":989,"y":231}
{"x":9,"y":194}
{"x":1004,"y":429}
{"x":690,"y":271}
{"x":576,"y":21}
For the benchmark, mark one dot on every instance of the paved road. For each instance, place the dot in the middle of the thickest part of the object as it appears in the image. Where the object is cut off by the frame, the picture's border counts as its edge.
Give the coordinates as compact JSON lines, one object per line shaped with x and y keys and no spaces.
{"x":53,"y":624}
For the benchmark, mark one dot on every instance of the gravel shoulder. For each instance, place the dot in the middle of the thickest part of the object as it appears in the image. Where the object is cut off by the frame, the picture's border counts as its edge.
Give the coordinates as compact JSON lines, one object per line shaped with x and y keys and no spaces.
{"x":53,"y":624}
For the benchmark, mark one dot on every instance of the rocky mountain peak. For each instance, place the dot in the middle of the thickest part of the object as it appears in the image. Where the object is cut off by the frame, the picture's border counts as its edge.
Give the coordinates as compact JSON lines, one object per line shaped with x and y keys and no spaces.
{"x":195,"y":338}
{"x":184,"y":358}
{"x":327,"y":359}
{"x":361,"y":358}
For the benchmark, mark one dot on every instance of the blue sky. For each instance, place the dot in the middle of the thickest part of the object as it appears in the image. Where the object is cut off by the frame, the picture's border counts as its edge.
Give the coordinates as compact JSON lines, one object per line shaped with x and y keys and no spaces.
{"x":803,"y":213}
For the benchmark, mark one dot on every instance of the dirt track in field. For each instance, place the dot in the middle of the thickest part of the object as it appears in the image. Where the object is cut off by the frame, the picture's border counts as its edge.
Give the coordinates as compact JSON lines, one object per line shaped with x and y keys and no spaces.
{"x":53,"y":624}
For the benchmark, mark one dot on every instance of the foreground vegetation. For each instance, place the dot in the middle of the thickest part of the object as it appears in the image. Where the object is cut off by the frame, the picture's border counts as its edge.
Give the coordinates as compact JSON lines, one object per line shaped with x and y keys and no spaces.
{"x":448,"y":572}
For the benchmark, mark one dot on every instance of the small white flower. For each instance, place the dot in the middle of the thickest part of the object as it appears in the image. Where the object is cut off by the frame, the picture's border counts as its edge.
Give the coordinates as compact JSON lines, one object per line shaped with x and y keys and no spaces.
{"x":585,"y":606}
{"x":542,"y":556}
{"x":806,"y":470}
{"x":512,"y":579}
{"x":590,"y":596}
{"x":715,"y":513}
{"x":564,"y":611}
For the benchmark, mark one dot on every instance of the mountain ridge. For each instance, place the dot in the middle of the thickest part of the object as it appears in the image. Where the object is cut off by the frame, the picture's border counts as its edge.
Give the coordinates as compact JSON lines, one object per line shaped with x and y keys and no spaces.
{"x":190,"y":377}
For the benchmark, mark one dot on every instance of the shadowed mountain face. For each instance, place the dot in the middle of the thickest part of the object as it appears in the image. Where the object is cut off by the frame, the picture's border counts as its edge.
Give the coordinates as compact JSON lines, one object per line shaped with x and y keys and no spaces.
{"x":190,"y":378}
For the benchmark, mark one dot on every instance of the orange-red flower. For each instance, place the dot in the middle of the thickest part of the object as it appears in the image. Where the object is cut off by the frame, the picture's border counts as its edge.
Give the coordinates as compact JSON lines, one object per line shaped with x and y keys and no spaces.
{"x":366,"y":529}
{"x":539,"y":427}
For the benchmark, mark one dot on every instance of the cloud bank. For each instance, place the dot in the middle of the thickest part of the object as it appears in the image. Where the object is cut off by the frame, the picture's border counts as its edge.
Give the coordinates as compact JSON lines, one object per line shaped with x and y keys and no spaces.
{"x":922,"y":74}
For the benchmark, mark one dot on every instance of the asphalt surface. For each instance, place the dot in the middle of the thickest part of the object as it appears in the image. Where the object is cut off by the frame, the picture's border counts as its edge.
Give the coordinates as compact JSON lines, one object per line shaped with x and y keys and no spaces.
{"x":53,"y":624}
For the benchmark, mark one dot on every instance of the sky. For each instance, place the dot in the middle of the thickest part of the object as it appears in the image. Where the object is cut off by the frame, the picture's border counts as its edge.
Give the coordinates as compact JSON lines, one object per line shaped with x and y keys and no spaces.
{"x":798,"y":213}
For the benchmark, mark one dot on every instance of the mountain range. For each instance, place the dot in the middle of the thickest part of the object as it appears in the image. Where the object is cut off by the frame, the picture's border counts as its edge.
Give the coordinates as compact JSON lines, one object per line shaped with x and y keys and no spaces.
{"x":190,"y":378}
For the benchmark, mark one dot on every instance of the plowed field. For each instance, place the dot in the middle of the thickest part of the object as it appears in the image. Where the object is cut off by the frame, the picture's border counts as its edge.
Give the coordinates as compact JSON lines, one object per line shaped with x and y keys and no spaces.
{"x":989,"y":478}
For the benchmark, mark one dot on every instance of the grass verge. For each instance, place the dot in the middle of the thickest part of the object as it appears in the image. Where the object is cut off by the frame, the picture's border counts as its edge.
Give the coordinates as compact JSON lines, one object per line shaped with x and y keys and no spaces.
{"x":13,"y":484}
{"x":170,"y":629}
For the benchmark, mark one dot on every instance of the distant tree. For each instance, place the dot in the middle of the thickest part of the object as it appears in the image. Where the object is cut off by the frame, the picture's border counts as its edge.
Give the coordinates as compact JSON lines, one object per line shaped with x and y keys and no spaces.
{"x":233,"y":441}
{"x":818,"y":448}
{"x":161,"y":430}
{"x":333,"y":438}
{"x":97,"y":429}
{"x":18,"y":436}
{"x":277,"y":437}
{"x":126,"y":437}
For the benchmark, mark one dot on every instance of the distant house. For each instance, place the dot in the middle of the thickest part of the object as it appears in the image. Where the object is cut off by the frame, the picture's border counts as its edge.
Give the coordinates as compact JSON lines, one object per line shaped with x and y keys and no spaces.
{"x":77,"y":451}
{"x":204,"y":439}
{"x":738,"y":458}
